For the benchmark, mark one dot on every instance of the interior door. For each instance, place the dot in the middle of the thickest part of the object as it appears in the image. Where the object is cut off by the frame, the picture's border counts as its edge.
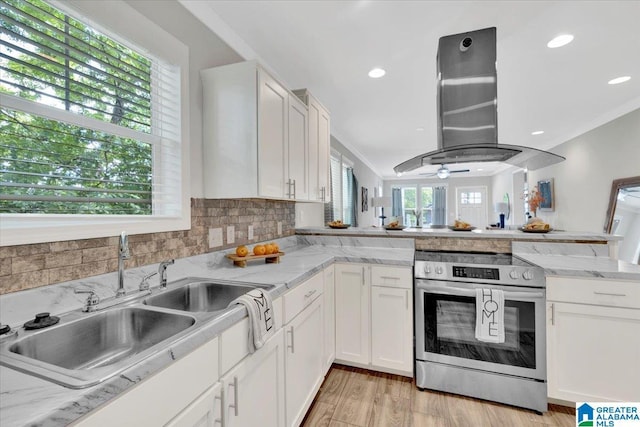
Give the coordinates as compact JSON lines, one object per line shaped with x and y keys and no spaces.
{"x":472,"y":205}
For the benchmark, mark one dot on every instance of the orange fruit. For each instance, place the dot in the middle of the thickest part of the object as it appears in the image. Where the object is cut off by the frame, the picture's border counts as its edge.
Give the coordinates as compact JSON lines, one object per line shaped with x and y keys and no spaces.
{"x":259,"y":250}
{"x":275,"y":246}
{"x":242,"y":250}
{"x":269,"y":249}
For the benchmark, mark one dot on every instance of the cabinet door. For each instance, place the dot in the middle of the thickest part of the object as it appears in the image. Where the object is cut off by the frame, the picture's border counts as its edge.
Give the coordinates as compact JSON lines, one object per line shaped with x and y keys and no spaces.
{"x":392,"y":328}
{"x":272,"y":137}
{"x":303,"y":361}
{"x":593,"y":353}
{"x":314,"y":154}
{"x":205,"y":411}
{"x":254,"y":389}
{"x":298,"y":150}
{"x":324,"y":136}
{"x":329,"y":307}
{"x":352,"y":313}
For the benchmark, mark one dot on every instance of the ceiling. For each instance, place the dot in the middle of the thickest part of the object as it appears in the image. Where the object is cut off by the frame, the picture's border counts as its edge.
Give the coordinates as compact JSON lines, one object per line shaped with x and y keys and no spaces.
{"x":330,"y":46}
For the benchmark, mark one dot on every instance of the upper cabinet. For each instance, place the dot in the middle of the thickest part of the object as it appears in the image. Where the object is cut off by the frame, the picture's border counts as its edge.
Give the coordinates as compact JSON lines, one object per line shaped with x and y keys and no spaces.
{"x":256,"y":137}
{"x":319,"y":147}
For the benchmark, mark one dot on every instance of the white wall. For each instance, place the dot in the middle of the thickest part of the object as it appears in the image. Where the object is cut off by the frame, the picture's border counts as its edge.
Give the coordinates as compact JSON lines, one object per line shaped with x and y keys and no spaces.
{"x":452,"y":184}
{"x":206,"y":50}
{"x":583,"y":181}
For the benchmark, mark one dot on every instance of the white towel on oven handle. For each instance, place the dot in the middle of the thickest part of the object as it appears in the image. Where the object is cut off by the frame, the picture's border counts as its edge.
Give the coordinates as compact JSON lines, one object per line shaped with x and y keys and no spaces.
{"x":490,"y":315}
{"x":261,"y":317}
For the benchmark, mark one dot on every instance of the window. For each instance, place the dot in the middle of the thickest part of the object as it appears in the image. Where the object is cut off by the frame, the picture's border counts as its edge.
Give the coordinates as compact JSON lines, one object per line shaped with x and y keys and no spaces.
{"x":343,"y":193}
{"x":90,"y":121}
{"x":470,"y":198}
{"x":429,"y":202}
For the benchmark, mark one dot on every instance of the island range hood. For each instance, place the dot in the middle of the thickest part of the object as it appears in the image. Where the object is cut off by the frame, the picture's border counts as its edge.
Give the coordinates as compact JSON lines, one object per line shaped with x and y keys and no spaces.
{"x":468,"y":108}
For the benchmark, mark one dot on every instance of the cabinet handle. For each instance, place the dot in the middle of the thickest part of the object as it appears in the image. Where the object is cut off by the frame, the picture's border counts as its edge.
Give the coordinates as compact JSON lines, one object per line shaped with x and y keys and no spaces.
{"x":289,"y":186}
{"x":322,"y":193}
{"x":294,"y":188}
{"x":308,"y":294}
{"x":390,"y":277}
{"x":291,"y":346}
{"x":553,"y":314}
{"x":220,"y":397}
{"x":610,"y":294}
{"x":235,"y":396}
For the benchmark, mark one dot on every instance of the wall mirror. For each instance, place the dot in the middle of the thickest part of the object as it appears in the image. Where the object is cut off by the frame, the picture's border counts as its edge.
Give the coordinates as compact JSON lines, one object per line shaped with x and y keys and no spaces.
{"x":623,"y":217}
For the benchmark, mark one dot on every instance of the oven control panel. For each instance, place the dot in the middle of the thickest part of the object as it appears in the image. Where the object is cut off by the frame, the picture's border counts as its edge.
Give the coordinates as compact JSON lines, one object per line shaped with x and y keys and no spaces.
{"x":476,"y":272}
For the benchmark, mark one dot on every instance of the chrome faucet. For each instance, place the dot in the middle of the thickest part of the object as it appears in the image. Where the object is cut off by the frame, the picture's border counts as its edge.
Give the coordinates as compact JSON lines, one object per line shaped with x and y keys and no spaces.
{"x":123,"y":254}
{"x":162,"y":271}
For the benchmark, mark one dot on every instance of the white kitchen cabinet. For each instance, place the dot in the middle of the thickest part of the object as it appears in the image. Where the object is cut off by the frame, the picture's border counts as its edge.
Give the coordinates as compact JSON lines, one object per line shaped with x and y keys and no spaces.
{"x":158,"y":399}
{"x":319,"y":147}
{"x":303,"y":361}
{"x":392,"y":329}
{"x":298,"y":146}
{"x":205,"y":411}
{"x":273,"y":115}
{"x":329,"y":307}
{"x":593,"y":339}
{"x":352,"y":313}
{"x":254,"y":389}
{"x":255,"y":135}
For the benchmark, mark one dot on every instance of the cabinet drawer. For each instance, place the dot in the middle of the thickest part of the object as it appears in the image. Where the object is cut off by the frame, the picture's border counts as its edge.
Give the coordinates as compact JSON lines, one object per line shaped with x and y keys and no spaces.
{"x":297,"y":299}
{"x":395,"y":277}
{"x":613,"y":293}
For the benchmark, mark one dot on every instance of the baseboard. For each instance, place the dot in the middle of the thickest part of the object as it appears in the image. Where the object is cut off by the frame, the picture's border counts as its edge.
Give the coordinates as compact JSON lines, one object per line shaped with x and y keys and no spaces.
{"x":372,"y":368}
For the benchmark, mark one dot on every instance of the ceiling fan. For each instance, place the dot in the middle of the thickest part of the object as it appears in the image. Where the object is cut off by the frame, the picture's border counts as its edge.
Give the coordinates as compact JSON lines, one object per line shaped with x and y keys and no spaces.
{"x":443,"y":172}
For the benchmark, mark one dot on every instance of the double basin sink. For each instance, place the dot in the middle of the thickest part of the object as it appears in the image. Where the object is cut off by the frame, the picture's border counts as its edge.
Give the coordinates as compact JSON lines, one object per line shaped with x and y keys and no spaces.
{"x":85,"y":349}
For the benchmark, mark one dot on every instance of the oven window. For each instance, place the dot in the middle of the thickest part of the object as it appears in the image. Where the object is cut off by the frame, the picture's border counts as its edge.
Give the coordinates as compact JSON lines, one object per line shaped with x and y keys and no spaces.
{"x":450,"y":330}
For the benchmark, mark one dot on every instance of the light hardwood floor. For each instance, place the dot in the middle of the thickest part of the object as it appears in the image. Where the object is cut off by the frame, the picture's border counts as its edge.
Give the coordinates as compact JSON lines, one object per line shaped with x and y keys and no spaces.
{"x":357,"y":397}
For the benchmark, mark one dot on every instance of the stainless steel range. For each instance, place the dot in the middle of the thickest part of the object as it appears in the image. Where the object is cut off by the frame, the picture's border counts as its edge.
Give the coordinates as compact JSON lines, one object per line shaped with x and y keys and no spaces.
{"x":450,"y":358}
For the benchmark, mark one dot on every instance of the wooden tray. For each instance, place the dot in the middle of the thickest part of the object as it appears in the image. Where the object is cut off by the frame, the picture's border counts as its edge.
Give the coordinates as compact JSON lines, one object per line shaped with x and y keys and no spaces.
{"x":241,"y":261}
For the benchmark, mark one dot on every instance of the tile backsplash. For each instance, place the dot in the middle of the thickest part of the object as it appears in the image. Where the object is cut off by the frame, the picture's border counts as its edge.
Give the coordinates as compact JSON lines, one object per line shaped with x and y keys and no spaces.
{"x":31,"y":266}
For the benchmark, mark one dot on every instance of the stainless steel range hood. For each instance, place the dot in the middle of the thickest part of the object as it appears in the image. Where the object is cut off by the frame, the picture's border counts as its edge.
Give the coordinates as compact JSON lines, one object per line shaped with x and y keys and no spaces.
{"x":468,"y":108}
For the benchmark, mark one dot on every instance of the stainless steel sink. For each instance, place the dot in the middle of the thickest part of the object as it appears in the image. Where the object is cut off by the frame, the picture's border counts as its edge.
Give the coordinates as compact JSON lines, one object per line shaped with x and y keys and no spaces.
{"x":85,"y":349}
{"x":200,"y":296}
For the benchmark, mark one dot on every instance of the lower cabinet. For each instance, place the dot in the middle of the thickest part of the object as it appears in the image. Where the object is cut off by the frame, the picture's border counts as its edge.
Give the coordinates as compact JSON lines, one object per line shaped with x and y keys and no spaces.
{"x":374,"y":317}
{"x":352,"y":313}
{"x":303,"y":361}
{"x":329,"y":325}
{"x":593,"y":340}
{"x":206,"y":411}
{"x":254,"y":388}
{"x":392,"y":328}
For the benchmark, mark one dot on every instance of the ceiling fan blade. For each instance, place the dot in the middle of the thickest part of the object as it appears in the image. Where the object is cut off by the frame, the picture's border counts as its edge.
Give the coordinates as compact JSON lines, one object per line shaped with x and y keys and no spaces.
{"x":429,"y":174}
{"x":459,"y":170}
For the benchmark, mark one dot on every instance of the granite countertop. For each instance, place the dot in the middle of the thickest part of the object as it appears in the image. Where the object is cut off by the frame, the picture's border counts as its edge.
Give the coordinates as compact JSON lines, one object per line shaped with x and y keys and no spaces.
{"x":28,"y":400}
{"x":576,"y":260}
{"x":478,"y":233}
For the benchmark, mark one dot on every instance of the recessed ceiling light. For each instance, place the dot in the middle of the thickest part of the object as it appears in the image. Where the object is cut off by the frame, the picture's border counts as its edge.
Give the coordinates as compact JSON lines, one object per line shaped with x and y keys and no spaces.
{"x":398,"y":173}
{"x":619,"y":80}
{"x":480,"y":169}
{"x":538,"y":132}
{"x":420,"y":129}
{"x":376,"y":73}
{"x":561,"y":40}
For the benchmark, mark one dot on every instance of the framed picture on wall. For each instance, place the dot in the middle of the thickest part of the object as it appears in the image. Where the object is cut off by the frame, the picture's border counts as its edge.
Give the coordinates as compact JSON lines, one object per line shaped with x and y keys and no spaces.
{"x":545,"y":187}
{"x":365,"y":199}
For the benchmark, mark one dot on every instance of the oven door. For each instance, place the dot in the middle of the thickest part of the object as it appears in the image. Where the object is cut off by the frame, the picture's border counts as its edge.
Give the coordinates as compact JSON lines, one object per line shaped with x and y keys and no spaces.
{"x":445,"y":328}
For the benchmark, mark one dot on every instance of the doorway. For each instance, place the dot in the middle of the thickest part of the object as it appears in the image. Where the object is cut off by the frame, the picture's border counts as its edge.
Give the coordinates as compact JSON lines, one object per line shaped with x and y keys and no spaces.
{"x":471,"y":205}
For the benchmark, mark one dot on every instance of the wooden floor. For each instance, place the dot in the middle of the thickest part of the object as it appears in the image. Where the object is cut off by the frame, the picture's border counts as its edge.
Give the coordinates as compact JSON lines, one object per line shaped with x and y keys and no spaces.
{"x":356,"y":397}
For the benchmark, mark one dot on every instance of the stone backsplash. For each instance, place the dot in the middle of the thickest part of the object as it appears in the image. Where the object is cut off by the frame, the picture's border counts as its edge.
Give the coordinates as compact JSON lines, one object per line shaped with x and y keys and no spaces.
{"x":30,"y":266}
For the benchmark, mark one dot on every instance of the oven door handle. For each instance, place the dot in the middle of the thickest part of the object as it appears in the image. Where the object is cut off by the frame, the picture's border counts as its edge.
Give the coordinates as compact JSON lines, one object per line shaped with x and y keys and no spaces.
{"x":450,"y":290}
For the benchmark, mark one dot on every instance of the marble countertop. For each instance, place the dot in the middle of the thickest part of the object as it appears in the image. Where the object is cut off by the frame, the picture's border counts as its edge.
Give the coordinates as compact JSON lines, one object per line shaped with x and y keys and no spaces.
{"x":478,"y":233}
{"x":28,"y":400}
{"x":576,"y":260}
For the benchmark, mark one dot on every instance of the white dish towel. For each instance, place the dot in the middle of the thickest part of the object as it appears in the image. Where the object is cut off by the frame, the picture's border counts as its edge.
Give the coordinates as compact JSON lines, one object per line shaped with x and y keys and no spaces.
{"x":261,"y":320}
{"x":490,"y":315}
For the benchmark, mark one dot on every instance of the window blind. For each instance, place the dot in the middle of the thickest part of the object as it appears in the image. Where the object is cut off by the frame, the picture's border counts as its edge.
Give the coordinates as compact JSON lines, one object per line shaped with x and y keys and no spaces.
{"x":88,"y":125}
